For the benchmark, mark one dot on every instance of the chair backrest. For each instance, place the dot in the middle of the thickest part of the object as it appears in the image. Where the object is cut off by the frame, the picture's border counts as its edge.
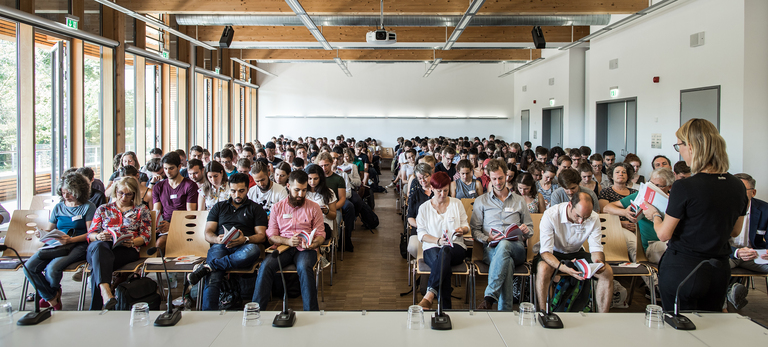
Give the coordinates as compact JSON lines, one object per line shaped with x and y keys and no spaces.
{"x":614,"y":243}
{"x":640,"y":257}
{"x":468,"y":207}
{"x":152,"y":237}
{"x":43,"y":203}
{"x":21,"y":232}
{"x":186,"y":235}
{"x":387,"y":153}
{"x":536,"y":217}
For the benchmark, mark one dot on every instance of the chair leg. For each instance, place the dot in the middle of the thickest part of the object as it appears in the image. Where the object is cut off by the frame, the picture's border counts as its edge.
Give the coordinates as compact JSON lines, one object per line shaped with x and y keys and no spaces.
{"x":653,"y":285}
{"x":2,"y":292}
{"x":631,"y":290}
{"x":333,"y":260}
{"x":83,"y":285}
{"x":24,"y":290}
{"x":413,"y":280}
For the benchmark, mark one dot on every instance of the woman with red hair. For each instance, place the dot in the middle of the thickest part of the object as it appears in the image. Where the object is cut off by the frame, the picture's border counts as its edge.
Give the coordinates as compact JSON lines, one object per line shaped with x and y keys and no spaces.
{"x":442,"y":222}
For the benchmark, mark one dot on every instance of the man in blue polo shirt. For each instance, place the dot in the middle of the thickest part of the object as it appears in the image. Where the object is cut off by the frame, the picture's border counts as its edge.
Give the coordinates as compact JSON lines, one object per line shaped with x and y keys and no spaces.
{"x":242,"y":250}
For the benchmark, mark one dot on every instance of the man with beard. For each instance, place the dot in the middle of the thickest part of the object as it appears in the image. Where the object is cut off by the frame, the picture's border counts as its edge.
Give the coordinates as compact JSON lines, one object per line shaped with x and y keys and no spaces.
{"x":290,"y":217}
{"x":498,"y":209}
{"x":265,"y":192}
{"x":242,"y":251}
{"x":171,"y":194}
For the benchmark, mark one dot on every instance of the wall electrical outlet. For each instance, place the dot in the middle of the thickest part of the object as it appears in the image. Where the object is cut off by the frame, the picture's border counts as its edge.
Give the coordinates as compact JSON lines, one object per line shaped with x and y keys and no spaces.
{"x":534,"y":134}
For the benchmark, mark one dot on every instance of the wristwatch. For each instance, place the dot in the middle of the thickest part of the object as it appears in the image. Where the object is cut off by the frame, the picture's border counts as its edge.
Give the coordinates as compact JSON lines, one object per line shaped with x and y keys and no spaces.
{"x":247,"y":239}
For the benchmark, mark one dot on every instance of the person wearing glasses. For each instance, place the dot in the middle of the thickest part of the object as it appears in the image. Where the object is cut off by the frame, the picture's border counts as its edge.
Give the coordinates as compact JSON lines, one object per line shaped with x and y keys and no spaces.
{"x":704,"y":212}
{"x":126,"y":219}
{"x":564,"y":229}
{"x":420,"y":193}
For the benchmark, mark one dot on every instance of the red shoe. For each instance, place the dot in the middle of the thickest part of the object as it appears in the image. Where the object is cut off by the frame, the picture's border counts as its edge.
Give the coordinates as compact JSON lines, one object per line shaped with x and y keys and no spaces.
{"x":44,"y":303}
{"x":57,"y":307}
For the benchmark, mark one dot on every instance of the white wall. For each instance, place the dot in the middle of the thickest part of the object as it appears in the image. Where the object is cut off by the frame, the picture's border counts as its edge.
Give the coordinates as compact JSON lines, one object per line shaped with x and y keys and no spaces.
{"x":755,"y":89}
{"x":660,"y":47}
{"x":567,"y":68}
{"x":385,"y":90}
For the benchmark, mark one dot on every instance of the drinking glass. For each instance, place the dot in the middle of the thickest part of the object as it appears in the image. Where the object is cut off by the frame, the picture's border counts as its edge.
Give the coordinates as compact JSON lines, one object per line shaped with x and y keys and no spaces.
{"x":415,"y":317}
{"x":251,"y":314}
{"x":527,"y":314}
{"x":6,"y":312}
{"x":140,"y":314}
{"x":654,"y":317}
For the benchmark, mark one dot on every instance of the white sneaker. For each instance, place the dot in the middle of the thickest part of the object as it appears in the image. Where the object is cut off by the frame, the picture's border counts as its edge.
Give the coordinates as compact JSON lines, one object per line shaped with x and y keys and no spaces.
{"x":78,"y":275}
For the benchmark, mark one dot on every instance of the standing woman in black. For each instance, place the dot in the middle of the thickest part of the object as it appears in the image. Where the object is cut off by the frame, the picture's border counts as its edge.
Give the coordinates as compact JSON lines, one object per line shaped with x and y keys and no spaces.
{"x":704,"y":212}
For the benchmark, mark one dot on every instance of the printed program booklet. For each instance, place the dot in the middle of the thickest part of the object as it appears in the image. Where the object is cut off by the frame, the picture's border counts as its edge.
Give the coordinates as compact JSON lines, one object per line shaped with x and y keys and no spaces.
{"x":512,"y":233}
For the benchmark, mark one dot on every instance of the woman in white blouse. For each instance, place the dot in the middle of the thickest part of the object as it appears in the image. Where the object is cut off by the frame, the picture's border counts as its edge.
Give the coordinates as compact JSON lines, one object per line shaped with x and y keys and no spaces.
{"x":319,"y":192}
{"x":441,"y":222}
{"x":214,"y":188}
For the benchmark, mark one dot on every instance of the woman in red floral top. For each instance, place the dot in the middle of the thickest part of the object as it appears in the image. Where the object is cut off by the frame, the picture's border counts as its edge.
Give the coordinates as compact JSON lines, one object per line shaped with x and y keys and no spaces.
{"x":124,"y":220}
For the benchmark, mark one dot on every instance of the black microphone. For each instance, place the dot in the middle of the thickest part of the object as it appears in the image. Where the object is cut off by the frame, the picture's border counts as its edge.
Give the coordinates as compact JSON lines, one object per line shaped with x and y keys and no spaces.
{"x":548,"y":319}
{"x":286,"y":318}
{"x":171,"y":316}
{"x":440,"y":320}
{"x":38,"y":315}
{"x":675,"y":319}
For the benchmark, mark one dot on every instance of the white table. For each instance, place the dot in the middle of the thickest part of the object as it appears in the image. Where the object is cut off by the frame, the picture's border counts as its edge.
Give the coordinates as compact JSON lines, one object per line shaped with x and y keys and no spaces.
{"x":628,"y":329}
{"x":487,"y":329}
{"x":355,"y":329}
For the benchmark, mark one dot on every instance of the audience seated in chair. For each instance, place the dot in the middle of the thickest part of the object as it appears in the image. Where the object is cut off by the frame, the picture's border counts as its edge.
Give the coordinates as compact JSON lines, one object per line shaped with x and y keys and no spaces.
{"x":290,"y":217}
{"x":172,"y":194}
{"x":243,"y":251}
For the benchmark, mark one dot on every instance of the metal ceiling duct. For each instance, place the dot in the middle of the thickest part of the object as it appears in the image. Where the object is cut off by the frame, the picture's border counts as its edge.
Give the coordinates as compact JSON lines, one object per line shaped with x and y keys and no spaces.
{"x":393,"y":21}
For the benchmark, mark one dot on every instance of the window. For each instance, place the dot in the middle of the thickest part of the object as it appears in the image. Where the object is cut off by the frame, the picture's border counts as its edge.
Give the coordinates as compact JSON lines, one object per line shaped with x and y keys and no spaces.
{"x":130,"y":102}
{"x":51,"y":110}
{"x":174,"y":130}
{"x":153,"y":104}
{"x":93,"y":107}
{"x":9,"y":118}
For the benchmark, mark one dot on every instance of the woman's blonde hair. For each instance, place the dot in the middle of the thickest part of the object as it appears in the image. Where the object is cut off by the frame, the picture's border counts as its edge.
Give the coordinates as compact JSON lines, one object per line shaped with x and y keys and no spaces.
{"x":707,"y":146}
{"x":132,"y":185}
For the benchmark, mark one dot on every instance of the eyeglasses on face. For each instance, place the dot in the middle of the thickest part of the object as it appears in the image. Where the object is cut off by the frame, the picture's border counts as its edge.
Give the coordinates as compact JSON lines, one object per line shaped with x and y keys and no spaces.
{"x":677,"y":146}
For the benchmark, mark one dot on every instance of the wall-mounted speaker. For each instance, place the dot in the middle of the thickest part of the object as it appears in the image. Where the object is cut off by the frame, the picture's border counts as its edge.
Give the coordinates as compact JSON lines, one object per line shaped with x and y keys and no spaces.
{"x":538,"y":38}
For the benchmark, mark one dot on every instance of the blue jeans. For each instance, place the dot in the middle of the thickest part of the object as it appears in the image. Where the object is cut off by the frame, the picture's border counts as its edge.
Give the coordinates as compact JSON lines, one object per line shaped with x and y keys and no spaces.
{"x":48,"y":284}
{"x":502,"y":260}
{"x":304,"y":261}
{"x":222,"y":259}
{"x":451,"y":257}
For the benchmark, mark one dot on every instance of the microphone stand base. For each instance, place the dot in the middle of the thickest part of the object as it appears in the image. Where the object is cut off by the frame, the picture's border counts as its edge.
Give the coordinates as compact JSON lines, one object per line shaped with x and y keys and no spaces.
{"x":550,"y":321}
{"x":285,"y":319}
{"x":34,"y":318}
{"x":679,"y":321}
{"x":441,"y":322}
{"x":168,"y":319}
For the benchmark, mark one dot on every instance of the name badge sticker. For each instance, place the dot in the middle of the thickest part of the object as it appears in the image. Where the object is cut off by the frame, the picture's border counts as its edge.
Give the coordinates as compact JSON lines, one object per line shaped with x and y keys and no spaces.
{"x":79,"y":217}
{"x":287,"y":216}
{"x":472,"y":191}
{"x":509,"y":209}
{"x":174,"y":196}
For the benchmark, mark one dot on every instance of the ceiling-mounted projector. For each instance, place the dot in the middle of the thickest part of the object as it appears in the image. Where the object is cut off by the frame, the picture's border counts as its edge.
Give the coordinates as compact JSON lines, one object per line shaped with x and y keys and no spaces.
{"x":381,"y":37}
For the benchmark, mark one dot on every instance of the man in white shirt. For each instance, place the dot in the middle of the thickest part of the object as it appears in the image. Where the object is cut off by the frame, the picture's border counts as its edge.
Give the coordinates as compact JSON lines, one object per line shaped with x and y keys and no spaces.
{"x":265,"y":192}
{"x":564,"y":229}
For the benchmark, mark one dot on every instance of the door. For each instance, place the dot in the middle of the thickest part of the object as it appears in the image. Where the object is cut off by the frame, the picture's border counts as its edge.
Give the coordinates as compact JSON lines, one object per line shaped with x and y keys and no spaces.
{"x":617,"y":127}
{"x":552,"y":127}
{"x":700,"y":103}
{"x":525,"y":127}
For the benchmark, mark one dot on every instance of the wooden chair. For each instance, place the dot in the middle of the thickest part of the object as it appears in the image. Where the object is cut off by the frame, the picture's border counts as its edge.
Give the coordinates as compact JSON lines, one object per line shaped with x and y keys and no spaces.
{"x":615,"y":250}
{"x":186,"y":237}
{"x":132,"y":267}
{"x":291,"y":268}
{"x":47,"y":203}
{"x":420,"y":267}
{"x":21,"y":237}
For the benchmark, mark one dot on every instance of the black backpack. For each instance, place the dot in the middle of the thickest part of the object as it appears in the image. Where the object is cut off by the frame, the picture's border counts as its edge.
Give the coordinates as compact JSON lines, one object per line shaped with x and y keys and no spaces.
{"x":137,"y":289}
{"x":368,"y":217}
{"x":229,"y":296}
{"x":572,"y":295}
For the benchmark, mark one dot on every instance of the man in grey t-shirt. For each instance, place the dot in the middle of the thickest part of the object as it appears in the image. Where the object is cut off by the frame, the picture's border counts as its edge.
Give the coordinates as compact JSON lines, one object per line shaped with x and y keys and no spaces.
{"x":569,"y":184}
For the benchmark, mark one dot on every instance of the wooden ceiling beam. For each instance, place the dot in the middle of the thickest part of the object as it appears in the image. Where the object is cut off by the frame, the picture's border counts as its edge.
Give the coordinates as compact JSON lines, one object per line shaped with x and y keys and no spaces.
{"x":394,"y":7}
{"x":404,"y":34}
{"x":385,"y":55}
